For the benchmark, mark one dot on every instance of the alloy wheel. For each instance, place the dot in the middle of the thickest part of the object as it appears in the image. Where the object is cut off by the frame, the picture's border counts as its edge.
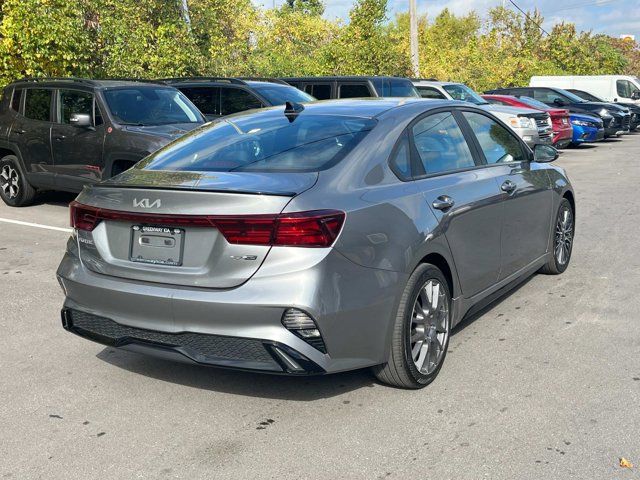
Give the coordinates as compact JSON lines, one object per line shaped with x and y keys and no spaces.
{"x":564,"y":236}
{"x":429,"y":327}
{"x":10,"y":181}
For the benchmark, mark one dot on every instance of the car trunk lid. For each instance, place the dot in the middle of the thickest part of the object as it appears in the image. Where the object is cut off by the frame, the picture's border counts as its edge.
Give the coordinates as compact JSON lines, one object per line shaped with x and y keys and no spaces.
{"x":157,"y":226}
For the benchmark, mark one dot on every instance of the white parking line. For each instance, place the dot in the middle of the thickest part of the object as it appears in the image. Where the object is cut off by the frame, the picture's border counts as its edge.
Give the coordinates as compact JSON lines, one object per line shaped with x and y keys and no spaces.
{"x":36,"y":225}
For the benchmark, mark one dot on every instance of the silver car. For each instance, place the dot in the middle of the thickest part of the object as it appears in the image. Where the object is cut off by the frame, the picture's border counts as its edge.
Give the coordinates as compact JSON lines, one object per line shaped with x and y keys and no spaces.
{"x":316,"y":239}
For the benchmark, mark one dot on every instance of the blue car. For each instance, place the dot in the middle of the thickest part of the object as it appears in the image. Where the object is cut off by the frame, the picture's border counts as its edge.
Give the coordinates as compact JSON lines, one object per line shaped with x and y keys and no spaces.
{"x":586,"y":128}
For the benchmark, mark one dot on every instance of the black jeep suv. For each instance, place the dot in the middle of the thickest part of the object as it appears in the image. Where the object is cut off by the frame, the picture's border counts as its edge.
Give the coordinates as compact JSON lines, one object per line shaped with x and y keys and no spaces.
{"x":217,"y":97}
{"x":61,"y":134}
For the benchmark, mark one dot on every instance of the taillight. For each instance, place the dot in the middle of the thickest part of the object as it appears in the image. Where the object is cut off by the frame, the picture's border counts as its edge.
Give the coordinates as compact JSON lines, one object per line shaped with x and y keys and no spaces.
{"x":317,"y":228}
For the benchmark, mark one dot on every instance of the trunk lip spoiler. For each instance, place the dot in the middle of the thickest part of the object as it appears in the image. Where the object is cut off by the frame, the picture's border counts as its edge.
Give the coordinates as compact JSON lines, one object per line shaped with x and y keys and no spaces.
{"x":196,"y":189}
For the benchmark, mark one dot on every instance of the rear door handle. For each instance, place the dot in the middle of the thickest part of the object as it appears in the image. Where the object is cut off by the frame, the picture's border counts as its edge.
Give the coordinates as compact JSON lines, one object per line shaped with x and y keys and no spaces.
{"x":20,"y":131}
{"x":508,"y":186}
{"x":443,"y":202}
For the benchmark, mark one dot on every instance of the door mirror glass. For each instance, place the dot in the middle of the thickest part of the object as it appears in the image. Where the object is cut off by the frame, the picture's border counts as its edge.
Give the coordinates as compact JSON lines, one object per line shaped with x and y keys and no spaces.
{"x":544,"y":153}
{"x":80,"y":120}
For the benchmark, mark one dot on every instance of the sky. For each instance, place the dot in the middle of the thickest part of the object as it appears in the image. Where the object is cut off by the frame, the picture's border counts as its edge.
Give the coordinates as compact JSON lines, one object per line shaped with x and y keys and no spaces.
{"x":613,"y":17}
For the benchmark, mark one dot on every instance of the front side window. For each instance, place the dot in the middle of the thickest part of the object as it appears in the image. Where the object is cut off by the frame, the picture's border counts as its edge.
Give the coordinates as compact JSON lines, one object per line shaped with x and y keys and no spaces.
{"x":625,"y":88}
{"x":430,"y":92}
{"x":37,"y":105}
{"x":497,"y":143}
{"x":234,"y":100}
{"x":207,"y":99}
{"x":15,"y":100}
{"x":72,"y":102}
{"x":441,"y":145}
{"x":264,"y":141}
{"x":146,"y":105}
{"x":354,"y":90}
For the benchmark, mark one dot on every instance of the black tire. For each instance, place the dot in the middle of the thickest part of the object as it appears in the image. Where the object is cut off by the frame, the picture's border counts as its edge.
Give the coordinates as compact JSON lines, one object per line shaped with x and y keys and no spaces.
{"x":558,"y":264}
{"x":400,"y":369}
{"x":15,"y":190}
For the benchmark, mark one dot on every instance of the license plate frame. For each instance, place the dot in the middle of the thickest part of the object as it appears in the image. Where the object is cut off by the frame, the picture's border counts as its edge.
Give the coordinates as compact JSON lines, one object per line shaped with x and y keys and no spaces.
{"x":157,"y":245}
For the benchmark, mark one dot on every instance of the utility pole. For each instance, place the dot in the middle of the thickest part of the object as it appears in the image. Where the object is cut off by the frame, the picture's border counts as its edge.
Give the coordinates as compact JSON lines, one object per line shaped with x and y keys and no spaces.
{"x":413,"y":39}
{"x":184,"y":10}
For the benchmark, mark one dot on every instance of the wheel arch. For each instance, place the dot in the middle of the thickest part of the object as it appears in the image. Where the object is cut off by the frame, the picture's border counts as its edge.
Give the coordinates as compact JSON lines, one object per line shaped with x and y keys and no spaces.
{"x":569,"y":196}
{"x":438,"y":260}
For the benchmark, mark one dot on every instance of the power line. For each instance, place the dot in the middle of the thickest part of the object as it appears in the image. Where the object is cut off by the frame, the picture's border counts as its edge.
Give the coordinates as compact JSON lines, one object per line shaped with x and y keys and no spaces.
{"x":527,"y":15}
{"x":596,"y":3}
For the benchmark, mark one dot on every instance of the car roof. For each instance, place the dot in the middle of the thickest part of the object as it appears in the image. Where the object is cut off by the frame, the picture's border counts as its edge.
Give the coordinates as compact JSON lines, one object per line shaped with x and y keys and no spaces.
{"x":434,"y":83}
{"x":343,"y":77}
{"x":211,"y":81}
{"x":85,"y":82}
{"x":356,"y":107}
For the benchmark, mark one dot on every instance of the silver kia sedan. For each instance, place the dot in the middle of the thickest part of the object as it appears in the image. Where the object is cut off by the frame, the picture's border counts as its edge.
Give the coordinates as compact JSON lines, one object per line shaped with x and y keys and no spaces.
{"x":316,"y":238}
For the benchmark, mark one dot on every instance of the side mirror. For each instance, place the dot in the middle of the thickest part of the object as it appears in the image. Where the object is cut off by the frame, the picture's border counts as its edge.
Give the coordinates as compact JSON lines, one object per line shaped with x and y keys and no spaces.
{"x":544,"y":153}
{"x":559,"y":102}
{"x":81,"y":120}
{"x":635,"y":95}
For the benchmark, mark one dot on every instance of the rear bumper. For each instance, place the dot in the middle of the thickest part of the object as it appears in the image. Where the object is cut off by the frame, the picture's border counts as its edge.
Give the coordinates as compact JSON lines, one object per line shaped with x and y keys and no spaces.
{"x":330,"y":288}
{"x":214,"y":350}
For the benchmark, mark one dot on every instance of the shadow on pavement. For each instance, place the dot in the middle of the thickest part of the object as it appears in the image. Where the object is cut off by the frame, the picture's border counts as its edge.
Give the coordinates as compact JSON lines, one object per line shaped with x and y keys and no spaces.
{"x":300,"y":389}
{"x":61,"y":199}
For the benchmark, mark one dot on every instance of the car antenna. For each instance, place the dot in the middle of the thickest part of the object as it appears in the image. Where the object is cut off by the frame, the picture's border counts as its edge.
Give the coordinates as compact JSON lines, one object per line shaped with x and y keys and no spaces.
{"x":292,"y":109}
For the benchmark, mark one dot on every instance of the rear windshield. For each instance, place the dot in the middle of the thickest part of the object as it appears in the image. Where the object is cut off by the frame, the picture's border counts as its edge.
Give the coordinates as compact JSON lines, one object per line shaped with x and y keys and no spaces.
{"x":263,"y":142}
{"x":280,"y":94}
{"x":150,"y":106}
{"x":458,"y":91}
{"x":534,"y":103}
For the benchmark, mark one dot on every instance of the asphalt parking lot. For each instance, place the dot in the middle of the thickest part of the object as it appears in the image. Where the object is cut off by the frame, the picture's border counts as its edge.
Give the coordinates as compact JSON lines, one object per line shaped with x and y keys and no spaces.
{"x":543,"y":384}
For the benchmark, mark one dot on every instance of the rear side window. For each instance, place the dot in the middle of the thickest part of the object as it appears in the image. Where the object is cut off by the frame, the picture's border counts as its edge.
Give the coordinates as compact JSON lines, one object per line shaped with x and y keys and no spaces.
{"x":320,"y":91}
{"x":37,"y":104}
{"x":235,"y":100}
{"x":401,"y":159}
{"x":72,"y":102}
{"x":498,"y":144}
{"x":207,"y":99}
{"x":398,"y":88}
{"x":441,"y":145}
{"x":15,"y":100}
{"x":264,"y":141}
{"x":354,"y":90}
{"x":429,"y":92}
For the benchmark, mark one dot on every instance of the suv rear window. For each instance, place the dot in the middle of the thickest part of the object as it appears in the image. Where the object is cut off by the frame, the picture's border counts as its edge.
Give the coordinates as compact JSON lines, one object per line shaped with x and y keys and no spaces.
{"x":354,"y":90}
{"x":398,"y":88}
{"x":37,"y":105}
{"x":264,"y":142}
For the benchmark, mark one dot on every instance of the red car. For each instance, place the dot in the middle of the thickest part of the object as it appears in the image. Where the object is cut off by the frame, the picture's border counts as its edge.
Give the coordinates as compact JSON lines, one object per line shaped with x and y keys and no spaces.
{"x":562,"y":129}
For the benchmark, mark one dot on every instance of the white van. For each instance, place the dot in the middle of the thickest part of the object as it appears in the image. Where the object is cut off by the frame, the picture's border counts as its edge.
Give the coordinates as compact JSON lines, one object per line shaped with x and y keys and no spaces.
{"x":612,"y":88}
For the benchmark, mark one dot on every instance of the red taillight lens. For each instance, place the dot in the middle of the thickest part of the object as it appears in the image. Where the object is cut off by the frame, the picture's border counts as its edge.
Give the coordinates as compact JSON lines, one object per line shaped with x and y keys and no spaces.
{"x":83,"y":217}
{"x":309,"y":229}
{"x":318,"y":228}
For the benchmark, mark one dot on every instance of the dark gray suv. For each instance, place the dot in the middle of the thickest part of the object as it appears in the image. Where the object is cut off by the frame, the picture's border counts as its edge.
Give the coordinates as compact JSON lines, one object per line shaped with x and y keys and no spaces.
{"x":61,"y":134}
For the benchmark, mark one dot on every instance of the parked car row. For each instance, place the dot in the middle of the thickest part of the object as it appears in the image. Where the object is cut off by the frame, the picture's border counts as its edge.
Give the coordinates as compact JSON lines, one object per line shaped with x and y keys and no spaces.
{"x":64,"y":133}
